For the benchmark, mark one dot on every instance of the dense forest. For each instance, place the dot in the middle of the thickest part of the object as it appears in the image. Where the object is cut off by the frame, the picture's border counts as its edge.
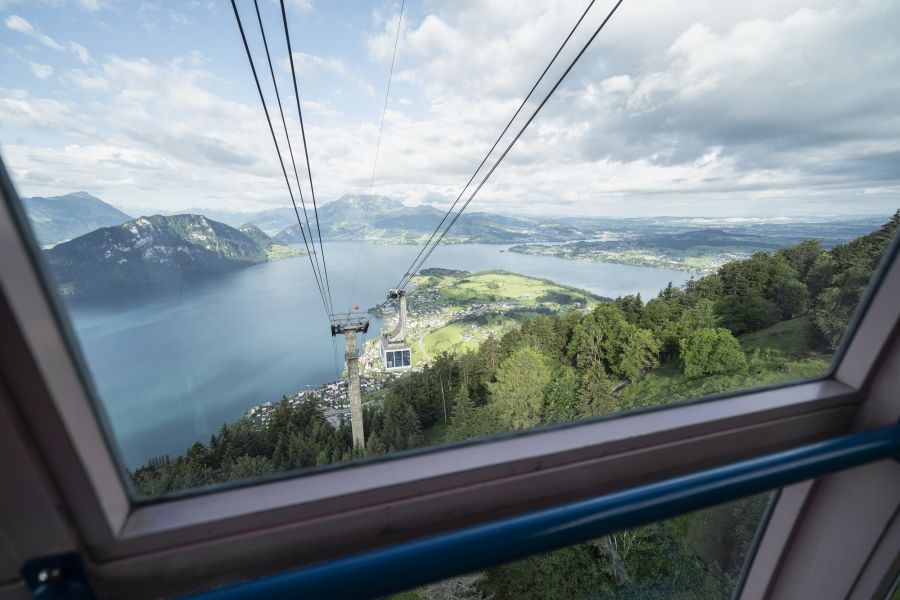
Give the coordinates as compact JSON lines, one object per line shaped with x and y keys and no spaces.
{"x":775,"y":316}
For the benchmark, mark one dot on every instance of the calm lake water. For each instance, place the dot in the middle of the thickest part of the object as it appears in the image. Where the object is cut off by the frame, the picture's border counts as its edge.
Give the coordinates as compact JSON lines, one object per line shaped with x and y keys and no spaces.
{"x":173,"y":364}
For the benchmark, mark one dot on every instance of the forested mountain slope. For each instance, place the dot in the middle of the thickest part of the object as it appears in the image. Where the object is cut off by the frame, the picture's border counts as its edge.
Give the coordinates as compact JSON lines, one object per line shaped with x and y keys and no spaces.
{"x":151,"y":249}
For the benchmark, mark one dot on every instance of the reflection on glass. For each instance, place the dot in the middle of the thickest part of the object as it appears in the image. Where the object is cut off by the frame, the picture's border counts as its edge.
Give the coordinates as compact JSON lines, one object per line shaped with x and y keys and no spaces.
{"x":697,"y":556}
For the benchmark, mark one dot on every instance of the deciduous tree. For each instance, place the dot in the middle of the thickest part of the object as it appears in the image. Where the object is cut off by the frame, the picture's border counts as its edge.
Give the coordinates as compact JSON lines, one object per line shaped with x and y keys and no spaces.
{"x":710,"y":351}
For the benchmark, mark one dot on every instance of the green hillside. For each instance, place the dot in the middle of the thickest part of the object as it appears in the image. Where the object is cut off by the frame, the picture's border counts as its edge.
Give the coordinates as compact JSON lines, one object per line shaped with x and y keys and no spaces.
{"x":780,"y":353}
{"x":275,"y":250}
{"x":454,"y":311}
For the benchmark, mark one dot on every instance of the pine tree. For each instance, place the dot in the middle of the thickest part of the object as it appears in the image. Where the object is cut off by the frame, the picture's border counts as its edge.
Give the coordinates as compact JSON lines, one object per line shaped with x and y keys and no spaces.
{"x":518,"y":393}
{"x":463,"y":407}
{"x":595,"y":397}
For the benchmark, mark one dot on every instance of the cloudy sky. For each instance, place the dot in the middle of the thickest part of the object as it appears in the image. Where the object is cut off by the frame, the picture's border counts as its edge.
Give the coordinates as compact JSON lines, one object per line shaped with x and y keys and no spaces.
{"x":697,"y":107}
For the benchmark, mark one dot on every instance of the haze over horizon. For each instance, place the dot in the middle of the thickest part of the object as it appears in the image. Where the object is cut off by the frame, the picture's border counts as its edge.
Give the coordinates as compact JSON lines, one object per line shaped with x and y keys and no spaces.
{"x":780,"y":109}
{"x":697,"y":219}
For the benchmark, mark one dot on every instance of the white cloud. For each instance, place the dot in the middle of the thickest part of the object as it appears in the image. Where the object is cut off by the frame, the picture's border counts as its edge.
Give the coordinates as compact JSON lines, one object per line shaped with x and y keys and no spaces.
{"x":306,"y":64}
{"x":23,"y":26}
{"x":179,"y":18}
{"x":92,"y":5}
{"x":310,"y":65}
{"x":80,"y":52}
{"x":167,"y":139}
{"x":4,"y":4}
{"x":300,"y":6}
{"x":321,"y":109}
{"x":87,"y":81}
{"x":662,"y":108}
{"x":20,"y":109}
{"x":17,"y":23}
{"x":692,"y":108}
{"x":41,"y":71}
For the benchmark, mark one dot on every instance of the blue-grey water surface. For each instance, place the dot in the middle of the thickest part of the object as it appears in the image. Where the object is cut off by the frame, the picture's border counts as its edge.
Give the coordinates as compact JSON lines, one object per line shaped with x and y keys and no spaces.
{"x":171,"y":365}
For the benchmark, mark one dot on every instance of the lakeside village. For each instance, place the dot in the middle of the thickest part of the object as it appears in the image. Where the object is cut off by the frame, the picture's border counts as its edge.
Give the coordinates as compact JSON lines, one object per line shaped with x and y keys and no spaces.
{"x":426,"y":314}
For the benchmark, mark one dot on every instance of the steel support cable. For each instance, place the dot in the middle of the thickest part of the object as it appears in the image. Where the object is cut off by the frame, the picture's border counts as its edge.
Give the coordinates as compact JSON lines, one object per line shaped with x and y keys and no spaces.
{"x":287,"y":181}
{"x":312,"y":189}
{"x":500,"y":137}
{"x":287,"y":136}
{"x":387,"y":95}
{"x":512,"y":143}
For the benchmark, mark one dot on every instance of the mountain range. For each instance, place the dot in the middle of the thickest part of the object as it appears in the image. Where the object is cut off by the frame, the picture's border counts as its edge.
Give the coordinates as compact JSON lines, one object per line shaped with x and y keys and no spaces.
{"x":60,"y":218}
{"x":354,"y":217}
{"x":152,"y":249}
{"x":107,"y":248}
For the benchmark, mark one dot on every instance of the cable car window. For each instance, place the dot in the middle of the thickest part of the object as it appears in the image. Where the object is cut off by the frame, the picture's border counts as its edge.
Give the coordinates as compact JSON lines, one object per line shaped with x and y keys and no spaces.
{"x":677,"y":220}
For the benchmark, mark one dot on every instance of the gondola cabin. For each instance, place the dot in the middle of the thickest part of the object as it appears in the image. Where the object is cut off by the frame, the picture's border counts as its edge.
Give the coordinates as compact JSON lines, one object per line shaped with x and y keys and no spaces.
{"x":395,"y":353}
{"x":395,"y":358}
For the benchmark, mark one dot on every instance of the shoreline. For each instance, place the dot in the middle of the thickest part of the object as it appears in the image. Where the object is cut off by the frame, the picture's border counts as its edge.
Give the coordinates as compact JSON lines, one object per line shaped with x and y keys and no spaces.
{"x":330,"y":396}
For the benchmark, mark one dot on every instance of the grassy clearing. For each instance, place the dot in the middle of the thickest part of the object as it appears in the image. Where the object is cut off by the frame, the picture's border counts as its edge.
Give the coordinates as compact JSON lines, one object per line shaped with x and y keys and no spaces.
{"x":464,"y":335}
{"x":791,"y":338}
{"x":457,"y":292}
{"x":779,"y":354}
{"x":500,"y":286}
{"x":668,"y":383}
{"x":448,"y":339}
{"x":281,"y":251}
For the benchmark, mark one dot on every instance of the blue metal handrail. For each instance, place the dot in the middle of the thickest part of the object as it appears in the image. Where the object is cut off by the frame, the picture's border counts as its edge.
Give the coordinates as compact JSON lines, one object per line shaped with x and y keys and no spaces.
{"x":386,"y":570}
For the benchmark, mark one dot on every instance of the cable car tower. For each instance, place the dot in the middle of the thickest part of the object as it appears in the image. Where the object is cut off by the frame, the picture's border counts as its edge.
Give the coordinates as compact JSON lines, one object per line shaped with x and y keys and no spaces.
{"x":395,"y":353}
{"x":349,"y":324}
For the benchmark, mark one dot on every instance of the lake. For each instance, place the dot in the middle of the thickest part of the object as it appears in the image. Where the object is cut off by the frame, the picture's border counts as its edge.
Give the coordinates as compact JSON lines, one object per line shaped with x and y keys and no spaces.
{"x":173,"y":364}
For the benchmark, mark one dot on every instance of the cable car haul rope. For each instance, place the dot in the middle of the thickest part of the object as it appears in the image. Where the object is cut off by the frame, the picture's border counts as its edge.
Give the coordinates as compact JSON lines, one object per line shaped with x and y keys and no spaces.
{"x":350,"y":324}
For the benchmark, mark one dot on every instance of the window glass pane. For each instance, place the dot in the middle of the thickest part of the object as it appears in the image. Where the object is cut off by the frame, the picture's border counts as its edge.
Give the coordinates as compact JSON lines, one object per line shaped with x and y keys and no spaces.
{"x":671,"y":226}
{"x":694,"y":556}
